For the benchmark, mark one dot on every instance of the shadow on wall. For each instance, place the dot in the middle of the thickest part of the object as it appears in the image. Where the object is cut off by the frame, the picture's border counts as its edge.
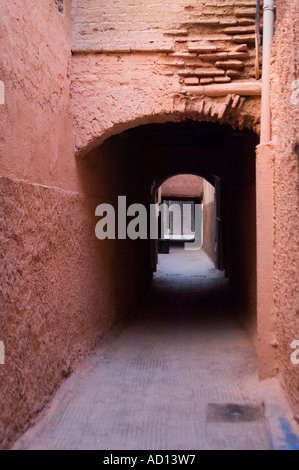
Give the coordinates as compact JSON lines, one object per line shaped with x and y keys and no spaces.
{"x":107,"y":172}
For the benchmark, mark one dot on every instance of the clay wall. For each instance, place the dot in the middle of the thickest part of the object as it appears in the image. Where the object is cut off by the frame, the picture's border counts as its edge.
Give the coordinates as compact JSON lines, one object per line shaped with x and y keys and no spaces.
{"x":285,"y":137}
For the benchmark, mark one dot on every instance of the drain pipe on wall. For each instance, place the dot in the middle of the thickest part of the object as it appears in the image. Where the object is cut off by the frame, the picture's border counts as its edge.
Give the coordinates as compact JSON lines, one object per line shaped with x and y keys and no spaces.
{"x":257,"y":39}
{"x":268,"y":31}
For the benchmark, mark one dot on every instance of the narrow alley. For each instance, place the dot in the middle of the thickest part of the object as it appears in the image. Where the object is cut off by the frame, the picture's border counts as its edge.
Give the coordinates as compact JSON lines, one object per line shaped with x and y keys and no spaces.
{"x":182,"y":374}
{"x":126,"y":126}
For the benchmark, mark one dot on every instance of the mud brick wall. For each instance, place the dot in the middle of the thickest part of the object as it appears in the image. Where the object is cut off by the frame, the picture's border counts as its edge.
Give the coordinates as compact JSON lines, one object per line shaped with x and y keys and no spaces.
{"x":202,"y":42}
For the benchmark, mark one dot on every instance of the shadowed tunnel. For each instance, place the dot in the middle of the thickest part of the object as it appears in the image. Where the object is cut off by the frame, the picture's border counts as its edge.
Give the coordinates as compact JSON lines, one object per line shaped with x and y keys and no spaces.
{"x":184,"y":363}
{"x":135,"y":163}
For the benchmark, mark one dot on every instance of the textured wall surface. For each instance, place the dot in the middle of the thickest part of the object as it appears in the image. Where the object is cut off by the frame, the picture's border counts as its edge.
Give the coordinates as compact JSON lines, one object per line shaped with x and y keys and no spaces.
{"x":48,"y":315}
{"x":57,"y":300}
{"x":36,"y":145}
{"x":122,"y":98}
{"x":151,"y":56}
{"x":36,"y":134}
{"x":207,"y":41}
{"x":285,"y":111}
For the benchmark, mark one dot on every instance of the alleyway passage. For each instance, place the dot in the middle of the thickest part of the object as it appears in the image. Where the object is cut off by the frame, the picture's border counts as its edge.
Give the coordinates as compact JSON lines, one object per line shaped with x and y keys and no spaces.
{"x":177,"y":376}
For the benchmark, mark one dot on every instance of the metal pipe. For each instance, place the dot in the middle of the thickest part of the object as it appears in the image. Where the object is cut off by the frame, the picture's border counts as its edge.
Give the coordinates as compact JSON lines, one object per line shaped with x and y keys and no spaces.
{"x":245,"y":88}
{"x":268,"y":30}
{"x":257,"y":39}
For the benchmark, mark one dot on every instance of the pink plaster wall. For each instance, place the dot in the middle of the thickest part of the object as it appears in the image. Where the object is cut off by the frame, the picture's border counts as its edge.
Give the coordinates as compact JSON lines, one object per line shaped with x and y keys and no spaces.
{"x":59,"y":287}
{"x":56,"y":301}
{"x":285,"y":114}
{"x":36,"y":134}
{"x":40,"y":223}
{"x":136,"y":89}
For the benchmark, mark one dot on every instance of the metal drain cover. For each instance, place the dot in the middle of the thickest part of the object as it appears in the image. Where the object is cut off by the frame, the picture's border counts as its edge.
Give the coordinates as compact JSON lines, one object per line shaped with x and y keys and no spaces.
{"x":234,"y":413}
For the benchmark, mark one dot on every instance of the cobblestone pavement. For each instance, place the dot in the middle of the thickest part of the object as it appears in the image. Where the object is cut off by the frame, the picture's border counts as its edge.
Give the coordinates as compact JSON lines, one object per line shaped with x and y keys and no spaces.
{"x":182,"y":374}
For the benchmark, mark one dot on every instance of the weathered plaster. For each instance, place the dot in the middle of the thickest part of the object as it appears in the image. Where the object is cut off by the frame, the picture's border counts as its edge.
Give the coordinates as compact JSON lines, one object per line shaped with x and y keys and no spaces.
{"x":285,"y":120}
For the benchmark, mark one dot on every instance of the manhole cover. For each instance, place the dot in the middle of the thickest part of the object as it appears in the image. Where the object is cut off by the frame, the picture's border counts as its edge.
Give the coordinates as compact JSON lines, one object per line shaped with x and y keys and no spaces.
{"x":234,"y":413}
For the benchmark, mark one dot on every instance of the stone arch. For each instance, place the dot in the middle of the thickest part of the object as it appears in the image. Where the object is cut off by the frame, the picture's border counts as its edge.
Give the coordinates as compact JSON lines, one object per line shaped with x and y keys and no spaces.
{"x":202,"y":174}
{"x":237,"y":112}
{"x":234,"y":110}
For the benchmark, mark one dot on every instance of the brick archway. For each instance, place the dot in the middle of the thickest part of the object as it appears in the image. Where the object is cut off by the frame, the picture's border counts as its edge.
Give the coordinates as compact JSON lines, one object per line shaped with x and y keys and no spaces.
{"x":239,"y":112}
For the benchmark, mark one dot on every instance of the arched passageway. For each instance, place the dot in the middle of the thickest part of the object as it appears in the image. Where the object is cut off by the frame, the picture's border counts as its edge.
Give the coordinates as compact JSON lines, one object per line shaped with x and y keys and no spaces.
{"x":136,"y":162}
{"x":184,"y":365}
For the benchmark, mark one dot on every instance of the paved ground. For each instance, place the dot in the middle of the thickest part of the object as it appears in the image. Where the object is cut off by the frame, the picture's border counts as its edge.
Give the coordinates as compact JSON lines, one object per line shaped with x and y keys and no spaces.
{"x":160,"y":381}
